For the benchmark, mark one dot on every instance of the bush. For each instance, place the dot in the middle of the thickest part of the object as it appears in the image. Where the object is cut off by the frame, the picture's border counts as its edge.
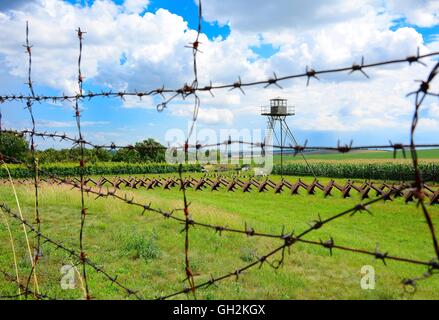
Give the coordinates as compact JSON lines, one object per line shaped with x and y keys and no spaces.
{"x":99,"y":168}
{"x":248,"y":254}
{"x":141,"y":247}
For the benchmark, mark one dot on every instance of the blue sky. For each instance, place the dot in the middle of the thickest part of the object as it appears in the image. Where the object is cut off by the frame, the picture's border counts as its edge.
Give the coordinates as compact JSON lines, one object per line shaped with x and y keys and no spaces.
{"x":429,"y":34}
{"x":184,"y":8}
{"x":239,"y":39}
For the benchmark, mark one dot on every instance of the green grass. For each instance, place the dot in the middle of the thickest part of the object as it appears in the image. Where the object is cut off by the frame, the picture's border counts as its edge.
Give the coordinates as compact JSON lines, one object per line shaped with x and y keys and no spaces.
{"x":147,"y":251}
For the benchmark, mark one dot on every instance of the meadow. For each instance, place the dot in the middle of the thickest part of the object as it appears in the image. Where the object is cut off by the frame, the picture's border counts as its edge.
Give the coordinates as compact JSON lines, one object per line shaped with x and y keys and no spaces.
{"x":147,"y":251}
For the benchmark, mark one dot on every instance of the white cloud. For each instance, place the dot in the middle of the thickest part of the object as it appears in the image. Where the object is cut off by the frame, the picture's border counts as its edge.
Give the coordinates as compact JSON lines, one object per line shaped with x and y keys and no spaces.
{"x":423,"y":13}
{"x":135,"y":6}
{"x":131,"y":102}
{"x":209,"y":116}
{"x":433,"y":110}
{"x":152,"y":43}
{"x":261,"y":16}
{"x":69,"y":124}
{"x":427,"y":124}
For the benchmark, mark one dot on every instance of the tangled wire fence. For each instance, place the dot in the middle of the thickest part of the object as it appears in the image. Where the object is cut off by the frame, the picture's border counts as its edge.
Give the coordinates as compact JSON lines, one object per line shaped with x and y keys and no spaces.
{"x":416,"y":190}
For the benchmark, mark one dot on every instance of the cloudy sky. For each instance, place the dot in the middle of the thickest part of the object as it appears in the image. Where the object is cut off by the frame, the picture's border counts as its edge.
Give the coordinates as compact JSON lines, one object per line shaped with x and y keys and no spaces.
{"x":140,"y":45}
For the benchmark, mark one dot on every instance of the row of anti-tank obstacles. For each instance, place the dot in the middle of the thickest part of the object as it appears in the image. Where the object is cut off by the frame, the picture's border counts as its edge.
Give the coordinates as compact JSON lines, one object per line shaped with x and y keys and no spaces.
{"x":231,"y":185}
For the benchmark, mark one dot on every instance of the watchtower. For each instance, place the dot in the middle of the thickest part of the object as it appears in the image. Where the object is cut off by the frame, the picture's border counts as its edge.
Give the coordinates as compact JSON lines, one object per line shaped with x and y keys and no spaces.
{"x":278,"y":108}
{"x":277,"y":112}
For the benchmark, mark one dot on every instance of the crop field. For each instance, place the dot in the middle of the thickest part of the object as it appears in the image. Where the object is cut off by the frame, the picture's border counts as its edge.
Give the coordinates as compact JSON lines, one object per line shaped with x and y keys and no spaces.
{"x":426,"y":156}
{"x":144,"y":250}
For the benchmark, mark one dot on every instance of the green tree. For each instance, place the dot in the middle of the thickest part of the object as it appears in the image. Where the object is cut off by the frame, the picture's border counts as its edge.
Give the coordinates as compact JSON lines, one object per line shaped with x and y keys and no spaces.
{"x":146,"y":151}
{"x":14,"y":146}
{"x":50,"y":155}
{"x":150,"y":151}
{"x":73,"y":155}
{"x":102,"y":154}
{"x":126,"y":155}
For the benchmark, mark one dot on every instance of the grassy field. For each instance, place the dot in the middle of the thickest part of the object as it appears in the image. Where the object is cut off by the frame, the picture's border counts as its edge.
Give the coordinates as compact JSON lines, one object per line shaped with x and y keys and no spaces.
{"x":427,"y":155}
{"x":147,"y":252}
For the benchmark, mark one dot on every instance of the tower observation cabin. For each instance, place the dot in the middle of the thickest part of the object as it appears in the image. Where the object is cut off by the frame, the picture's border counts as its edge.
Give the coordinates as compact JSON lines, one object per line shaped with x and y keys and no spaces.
{"x":278,"y":108}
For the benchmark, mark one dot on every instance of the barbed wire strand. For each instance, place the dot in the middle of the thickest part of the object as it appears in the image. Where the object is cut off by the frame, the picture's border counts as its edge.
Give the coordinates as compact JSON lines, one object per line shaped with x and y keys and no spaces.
{"x":420,"y":95}
{"x":26,"y":237}
{"x":194,"y":46}
{"x":329,"y":244}
{"x":23,"y":290}
{"x":290,"y":240}
{"x":251,"y":232}
{"x":29,"y":104}
{"x":187,"y":90}
{"x":14,"y":252}
{"x":72,"y":253}
{"x":80,"y":34}
{"x":187,"y":224}
{"x":316,"y":224}
{"x":192,"y":90}
{"x":297,"y":148}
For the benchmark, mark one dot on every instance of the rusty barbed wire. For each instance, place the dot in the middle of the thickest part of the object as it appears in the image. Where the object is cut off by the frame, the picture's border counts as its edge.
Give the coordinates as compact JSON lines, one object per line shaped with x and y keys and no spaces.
{"x":287,"y":239}
{"x":420,"y":95}
{"x":410,"y":284}
{"x":80,"y":34}
{"x":190,"y":90}
{"x":24,"y":290}
{"x":218,"y":228}
{"x":346,"y":148}
{"x":187,"y":223}
{"x":29,"y":105}
{"x":290,"y":239}
{"x":70,"y":252}
{"x":187,"y":90}
{"x":251,"y":232}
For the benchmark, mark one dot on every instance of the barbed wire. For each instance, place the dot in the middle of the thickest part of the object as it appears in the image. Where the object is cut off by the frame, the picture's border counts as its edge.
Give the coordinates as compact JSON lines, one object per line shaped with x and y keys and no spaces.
{"x":288,"y":238}
{"x":420,"y":95}
{"x":187,"y":223}
{"x":29,"y":104}
{"x":187,"y":90}
{"x":341,"y":148}
{"x":72,"y":253}
{"x":81,"y":168}
{"x":251,"y":232}
{"x":417,"y":188}
{"x":24,"y":290}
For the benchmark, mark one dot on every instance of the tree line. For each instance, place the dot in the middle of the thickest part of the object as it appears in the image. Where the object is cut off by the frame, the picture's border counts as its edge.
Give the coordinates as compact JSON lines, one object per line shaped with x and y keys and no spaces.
{"x":17,"y":147}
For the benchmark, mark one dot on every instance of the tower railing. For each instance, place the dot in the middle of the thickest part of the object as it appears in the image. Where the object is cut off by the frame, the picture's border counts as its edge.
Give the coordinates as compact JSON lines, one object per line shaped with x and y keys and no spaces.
{"x":278,"y":110}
